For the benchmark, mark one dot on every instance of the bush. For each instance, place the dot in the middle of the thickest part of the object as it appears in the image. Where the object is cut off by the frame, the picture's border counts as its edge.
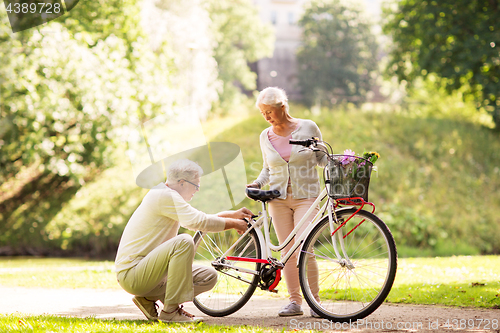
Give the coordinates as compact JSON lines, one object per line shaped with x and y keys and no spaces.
{"x":436,"y":185}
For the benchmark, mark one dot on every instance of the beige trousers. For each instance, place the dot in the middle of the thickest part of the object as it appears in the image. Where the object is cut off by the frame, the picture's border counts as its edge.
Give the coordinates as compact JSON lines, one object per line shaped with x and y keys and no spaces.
{"x":167,"y":273}
{"x":286,"y":214}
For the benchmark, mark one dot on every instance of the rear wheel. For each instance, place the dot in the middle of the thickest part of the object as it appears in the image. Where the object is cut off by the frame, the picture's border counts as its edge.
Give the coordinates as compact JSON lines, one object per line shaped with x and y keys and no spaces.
{"x":353,"y":286}
{"x":234,"y":288}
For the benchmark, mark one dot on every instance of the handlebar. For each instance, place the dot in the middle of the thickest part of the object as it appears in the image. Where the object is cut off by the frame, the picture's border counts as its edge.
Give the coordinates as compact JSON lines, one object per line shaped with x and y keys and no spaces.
{"x":305,"y":143}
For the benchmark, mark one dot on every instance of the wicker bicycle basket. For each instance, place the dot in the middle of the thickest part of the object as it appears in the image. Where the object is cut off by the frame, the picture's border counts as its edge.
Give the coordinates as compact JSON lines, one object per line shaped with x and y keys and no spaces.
{"x":349,"y":177}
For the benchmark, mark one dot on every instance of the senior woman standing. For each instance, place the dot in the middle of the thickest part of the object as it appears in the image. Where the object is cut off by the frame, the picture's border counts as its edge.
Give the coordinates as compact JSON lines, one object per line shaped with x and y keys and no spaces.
{"x":292,"y":171}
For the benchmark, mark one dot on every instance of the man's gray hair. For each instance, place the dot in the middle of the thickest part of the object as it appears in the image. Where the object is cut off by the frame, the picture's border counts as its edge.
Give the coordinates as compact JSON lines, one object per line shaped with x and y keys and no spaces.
{"x":184,"y":169}
{"x":273,"y":96}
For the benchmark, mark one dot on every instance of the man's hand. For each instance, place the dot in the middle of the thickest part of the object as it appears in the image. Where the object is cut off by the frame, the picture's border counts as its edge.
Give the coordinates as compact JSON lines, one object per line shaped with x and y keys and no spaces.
{"x":239,"y":225}
{"x":242,"y":213}
{"x":253,"y":185}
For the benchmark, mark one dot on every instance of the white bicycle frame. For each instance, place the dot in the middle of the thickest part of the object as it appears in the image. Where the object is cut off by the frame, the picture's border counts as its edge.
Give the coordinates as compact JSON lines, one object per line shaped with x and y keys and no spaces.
{"x":267,"y":246}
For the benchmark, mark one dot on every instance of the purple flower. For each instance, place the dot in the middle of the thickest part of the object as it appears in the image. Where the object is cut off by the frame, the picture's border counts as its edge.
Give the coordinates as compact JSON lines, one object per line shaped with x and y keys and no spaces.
{"x":349,"y":157}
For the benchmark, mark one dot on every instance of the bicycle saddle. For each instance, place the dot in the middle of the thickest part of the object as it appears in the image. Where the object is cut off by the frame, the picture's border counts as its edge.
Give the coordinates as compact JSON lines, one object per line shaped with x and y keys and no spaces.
{"x":262,"y":195}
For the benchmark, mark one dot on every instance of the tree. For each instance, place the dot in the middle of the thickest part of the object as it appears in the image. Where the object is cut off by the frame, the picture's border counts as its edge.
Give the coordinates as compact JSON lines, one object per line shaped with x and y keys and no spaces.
{"x":70,"y":89}
{"x":338,"y":53}
{"x":241,"y":38}
{"x":67,"y":91}
{"x":455,"y":40}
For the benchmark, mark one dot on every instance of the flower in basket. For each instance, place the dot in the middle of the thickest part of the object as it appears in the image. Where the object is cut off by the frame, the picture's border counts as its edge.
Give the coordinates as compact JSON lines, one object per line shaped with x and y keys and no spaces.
{"x":349,"y":157}
{"x":356,"y":165}
{"x":372,"y":156}
{"x":350,"y":174}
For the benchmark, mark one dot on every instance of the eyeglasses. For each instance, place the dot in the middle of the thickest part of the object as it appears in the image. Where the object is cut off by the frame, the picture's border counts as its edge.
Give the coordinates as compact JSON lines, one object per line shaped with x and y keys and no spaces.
{"x":197,"y":186}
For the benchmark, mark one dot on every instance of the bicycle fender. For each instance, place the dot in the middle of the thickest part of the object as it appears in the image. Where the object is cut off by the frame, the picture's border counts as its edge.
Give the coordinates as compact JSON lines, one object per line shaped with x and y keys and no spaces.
{"x":262,"y":242}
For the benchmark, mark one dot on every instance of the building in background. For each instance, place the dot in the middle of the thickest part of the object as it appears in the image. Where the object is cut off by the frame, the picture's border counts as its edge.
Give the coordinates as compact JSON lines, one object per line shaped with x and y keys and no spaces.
{"x":281,"y":69}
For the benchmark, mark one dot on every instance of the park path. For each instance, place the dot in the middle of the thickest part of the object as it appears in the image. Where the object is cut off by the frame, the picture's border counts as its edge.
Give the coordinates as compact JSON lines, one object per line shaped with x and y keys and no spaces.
{"x":260,"y":311}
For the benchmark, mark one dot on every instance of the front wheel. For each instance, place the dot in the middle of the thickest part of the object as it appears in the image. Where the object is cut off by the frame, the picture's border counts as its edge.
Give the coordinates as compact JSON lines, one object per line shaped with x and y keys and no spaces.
{"x":234,"y":285}
{"x":351,"y":285}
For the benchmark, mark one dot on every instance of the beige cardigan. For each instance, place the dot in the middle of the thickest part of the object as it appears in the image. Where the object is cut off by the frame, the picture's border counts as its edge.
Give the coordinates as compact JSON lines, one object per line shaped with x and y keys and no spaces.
{"x":300,"y":168}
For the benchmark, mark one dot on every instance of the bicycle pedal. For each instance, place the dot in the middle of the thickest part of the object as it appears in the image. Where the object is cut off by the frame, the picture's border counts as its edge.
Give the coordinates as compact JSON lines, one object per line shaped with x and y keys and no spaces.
{"x":275,"y":263}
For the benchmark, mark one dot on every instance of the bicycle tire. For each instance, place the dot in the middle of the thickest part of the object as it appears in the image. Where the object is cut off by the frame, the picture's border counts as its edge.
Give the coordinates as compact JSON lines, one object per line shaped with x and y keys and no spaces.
{"x":229,"y":294}
{"x":348,"y":293}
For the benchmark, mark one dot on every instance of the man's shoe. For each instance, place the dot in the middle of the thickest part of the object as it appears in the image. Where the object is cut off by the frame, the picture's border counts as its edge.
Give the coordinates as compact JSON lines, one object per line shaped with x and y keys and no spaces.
{"x":292,"y":309}
{"x":149,"y":308}
{"x":179,"y":315}
{"x":314,"y":314}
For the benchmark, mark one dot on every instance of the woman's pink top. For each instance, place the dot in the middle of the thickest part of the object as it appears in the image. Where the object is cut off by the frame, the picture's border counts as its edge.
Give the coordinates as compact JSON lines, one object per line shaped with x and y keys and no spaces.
{"x":281,"y":144}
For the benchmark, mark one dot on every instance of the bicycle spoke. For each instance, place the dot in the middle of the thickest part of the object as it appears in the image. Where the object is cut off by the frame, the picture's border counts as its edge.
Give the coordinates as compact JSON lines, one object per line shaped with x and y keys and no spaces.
{"x":322,"y":257}
{"x":350,"y":288}
{"x":209,"y":247}
{"x":233,"y":287}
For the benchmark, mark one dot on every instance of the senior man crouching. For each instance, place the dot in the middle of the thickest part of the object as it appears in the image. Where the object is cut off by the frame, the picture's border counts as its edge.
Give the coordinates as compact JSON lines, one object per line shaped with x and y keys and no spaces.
{"x":153,"y":262}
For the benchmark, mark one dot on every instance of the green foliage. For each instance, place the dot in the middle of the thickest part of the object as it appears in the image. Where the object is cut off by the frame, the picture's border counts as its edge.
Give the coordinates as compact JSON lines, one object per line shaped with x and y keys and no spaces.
{"x":94,"y":219}
{"x":437,"y":180}
{"x":337,"y":58}
{"x":71,"y":88}
{"x":436,"y":185}
{"x":241,"y":38}
{"x":429,"y":98}
{"x":68,"y":91}
{"x":446,"y":184}
{"x":455,"y":40}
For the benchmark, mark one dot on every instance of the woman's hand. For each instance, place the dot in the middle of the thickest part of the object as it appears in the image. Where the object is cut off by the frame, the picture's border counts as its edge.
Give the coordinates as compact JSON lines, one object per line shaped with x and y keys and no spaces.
{"x":253,"y":185}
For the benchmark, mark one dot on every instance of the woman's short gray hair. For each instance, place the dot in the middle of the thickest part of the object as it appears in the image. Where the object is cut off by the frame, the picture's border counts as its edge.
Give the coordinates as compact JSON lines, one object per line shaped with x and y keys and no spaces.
{"x":183,"y":169}
{"x":273,"y":96}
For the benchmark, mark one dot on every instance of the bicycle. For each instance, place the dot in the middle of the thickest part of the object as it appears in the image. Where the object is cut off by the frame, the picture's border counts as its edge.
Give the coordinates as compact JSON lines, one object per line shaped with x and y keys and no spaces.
{"x":347,"y":261}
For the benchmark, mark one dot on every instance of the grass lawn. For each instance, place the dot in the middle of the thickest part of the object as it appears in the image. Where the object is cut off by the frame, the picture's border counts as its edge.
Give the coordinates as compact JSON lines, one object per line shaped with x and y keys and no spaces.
{"x":472,"y":281}
{"x":453,"y":281}
{"x":57,"y":273}
{"x":36,"y":324}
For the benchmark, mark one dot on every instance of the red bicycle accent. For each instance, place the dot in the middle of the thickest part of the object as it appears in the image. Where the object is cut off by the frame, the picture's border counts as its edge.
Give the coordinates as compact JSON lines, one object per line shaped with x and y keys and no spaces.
{"x":276,"y":280}
{"x":262,"y":261}
{"x":351,"y":202}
